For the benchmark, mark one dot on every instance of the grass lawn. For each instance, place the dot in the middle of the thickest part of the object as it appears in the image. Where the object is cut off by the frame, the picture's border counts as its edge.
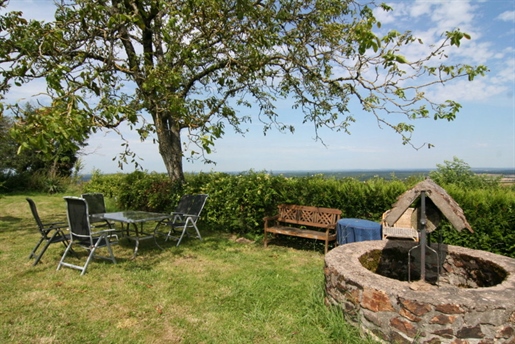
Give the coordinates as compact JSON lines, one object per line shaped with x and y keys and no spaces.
{"x":218,"y":290}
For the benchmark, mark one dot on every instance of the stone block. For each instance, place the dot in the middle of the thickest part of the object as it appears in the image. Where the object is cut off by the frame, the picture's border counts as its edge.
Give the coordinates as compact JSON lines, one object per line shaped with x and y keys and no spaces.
{"x":447,"y":333}
{"x":449,"y":309}
{"x":404,"y":326}
{"x":416,"y":308}
{"x":397,"y":338}
{"x":442,"y":319}
{"x":470,"y":332}
{"x":376,"y":300}
{"x":408,"y":315}
{"x":506,"y":332}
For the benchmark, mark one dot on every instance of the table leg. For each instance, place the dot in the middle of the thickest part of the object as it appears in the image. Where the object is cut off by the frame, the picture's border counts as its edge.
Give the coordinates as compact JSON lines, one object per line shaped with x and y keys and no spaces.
{"x":136,"y":246}
{"x":137,"y":238}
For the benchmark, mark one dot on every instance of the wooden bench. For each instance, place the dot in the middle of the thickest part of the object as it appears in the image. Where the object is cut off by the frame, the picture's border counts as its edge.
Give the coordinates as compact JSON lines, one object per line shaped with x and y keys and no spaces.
{"x":305,"y":222}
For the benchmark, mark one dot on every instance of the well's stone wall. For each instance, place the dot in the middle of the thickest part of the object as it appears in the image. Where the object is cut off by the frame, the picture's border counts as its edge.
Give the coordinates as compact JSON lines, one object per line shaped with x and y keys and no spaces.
{"x":397,"y":311}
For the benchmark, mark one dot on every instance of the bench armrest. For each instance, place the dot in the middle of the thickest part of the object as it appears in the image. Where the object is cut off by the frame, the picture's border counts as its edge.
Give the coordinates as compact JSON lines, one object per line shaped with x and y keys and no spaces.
{"x":268,"y":219}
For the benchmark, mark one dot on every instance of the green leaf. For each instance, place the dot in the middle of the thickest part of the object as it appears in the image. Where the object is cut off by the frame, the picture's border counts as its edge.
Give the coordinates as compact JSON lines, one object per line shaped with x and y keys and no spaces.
{"x":401,"y":59}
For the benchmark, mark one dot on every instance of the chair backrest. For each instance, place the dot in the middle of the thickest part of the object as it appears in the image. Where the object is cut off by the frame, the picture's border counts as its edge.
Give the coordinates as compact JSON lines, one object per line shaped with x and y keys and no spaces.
{"x":191,"y":204}
{"x":35,"y":214}
{"x":96,"y":204}
{"x":309,"y":215}
{"x":78,"y":218}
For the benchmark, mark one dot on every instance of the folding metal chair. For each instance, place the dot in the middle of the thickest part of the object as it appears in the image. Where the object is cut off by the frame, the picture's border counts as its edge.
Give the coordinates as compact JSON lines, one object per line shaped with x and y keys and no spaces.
{"x":185,"y":216}
{"x":51,"y":233}
{"x":96,"y":205}
{"x":81,"y":234}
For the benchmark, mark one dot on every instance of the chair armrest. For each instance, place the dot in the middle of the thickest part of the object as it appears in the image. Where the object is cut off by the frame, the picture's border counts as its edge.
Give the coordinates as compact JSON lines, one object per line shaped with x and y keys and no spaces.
{"x":105,"y":231}
{"x":54,"y":225}
{"x":189,"y":215}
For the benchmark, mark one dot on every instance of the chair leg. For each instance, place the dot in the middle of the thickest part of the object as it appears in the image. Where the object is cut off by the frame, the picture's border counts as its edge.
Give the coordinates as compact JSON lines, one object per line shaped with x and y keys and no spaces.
{"x":90,"y":256}
{"x":48,"y":242}
{"x":92,"y":253}
{"x":169,"y":234}
{"x":38,"y":258}
{"x":33,"y":253}
{"x":198,"y":232}
{"x":182,"y":235}
{"x":110,"y":250}
{"x":61,"y":262}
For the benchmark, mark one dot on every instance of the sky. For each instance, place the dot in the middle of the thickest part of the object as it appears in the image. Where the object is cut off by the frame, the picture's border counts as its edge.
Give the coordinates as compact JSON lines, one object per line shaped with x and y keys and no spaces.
{"x":482,"y":135}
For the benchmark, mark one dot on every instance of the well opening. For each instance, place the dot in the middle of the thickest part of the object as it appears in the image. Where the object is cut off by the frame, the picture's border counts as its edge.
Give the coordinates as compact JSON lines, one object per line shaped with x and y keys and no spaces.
{"x":459,"y":270}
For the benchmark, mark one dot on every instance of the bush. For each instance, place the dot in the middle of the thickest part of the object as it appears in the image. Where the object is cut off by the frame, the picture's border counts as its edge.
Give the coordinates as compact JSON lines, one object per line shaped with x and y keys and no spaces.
{"x":137,"y":190}
{"x":491,"y":215}
{"x":40,"y":181}
{"x":238,"y":203}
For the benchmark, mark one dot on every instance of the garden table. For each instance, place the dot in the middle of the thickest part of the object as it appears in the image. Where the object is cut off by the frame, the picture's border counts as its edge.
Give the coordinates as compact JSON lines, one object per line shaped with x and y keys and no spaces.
{"x":133,"y":219}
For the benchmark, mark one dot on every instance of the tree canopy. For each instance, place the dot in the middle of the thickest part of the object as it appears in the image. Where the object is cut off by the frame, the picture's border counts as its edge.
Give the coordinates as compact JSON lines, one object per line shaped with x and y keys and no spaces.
{"x":196,"y":67}
{"x":53,"y":161}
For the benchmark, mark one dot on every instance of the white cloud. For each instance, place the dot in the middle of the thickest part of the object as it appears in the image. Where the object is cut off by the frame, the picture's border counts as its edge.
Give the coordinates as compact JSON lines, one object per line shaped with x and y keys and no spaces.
{"x":453,"y":14}
{"x":507,"y":16}
{"x":463,"y":90}
{"x":419,"y":8}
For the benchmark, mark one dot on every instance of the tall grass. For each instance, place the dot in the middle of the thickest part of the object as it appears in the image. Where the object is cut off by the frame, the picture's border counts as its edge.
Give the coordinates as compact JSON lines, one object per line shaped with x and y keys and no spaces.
{"x":219,"y":290}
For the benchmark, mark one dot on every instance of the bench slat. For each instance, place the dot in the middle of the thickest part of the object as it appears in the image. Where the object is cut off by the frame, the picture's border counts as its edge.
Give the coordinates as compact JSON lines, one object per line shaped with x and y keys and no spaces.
{"x":303,"y":233}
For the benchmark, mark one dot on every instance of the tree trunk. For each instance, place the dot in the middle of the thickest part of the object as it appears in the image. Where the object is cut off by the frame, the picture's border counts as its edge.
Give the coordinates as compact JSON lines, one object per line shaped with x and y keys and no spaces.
{"x":169,"y":139}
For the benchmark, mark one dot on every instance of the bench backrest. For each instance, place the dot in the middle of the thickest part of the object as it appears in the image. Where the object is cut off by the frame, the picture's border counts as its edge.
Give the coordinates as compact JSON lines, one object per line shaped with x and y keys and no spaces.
{"x":309,"y":216}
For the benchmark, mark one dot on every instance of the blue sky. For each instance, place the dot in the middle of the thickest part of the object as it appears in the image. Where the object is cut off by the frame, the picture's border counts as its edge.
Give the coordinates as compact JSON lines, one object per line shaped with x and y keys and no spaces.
{"x":483,"y":134}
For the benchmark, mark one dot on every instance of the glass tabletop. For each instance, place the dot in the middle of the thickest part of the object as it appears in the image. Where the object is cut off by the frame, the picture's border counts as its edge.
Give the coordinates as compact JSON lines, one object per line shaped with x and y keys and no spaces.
{"x":132,"y":216}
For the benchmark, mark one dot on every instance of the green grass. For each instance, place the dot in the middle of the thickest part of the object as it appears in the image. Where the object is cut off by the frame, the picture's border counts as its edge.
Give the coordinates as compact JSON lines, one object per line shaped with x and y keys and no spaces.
{"x":212,"y":291}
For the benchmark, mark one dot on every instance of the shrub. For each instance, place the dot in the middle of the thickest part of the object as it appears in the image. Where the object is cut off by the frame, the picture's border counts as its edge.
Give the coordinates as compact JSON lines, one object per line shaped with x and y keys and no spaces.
{"x":238,"y":203}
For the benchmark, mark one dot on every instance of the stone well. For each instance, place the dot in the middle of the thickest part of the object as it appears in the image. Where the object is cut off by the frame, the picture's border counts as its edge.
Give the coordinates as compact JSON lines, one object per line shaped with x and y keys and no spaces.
{"x":471,"y":301}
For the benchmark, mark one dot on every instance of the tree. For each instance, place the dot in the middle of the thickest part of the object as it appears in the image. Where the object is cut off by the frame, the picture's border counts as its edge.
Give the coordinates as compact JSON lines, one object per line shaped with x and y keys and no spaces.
{"x":55,"y":161}
{"x":8,"y":146}
{"x":459,"y":173}
{"x":169,"y":67}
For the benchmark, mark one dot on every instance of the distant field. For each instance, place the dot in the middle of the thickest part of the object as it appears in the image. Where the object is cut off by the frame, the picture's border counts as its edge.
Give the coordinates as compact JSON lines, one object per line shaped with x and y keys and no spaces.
{"x":508,"y":174}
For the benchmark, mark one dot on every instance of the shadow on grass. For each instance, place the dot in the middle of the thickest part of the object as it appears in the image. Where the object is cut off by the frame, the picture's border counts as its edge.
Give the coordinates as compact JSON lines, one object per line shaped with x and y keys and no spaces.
{"x":300,"y":244}
{"x":10,"y":218}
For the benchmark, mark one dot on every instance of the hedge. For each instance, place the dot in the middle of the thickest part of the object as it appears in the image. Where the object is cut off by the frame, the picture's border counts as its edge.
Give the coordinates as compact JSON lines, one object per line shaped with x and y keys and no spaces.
{"x":238,"y":202}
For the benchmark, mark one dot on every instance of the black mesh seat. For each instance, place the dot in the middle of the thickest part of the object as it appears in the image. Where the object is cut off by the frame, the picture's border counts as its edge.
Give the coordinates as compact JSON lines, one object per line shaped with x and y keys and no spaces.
{"x":184,"y":217}
{"x":82,"y":234}
{"x":51,"y":233}
{"x":96,"y":206}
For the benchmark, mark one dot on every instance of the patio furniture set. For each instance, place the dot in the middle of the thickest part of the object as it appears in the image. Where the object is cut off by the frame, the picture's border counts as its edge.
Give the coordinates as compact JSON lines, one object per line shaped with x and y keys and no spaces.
{"x":90,"y":227}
